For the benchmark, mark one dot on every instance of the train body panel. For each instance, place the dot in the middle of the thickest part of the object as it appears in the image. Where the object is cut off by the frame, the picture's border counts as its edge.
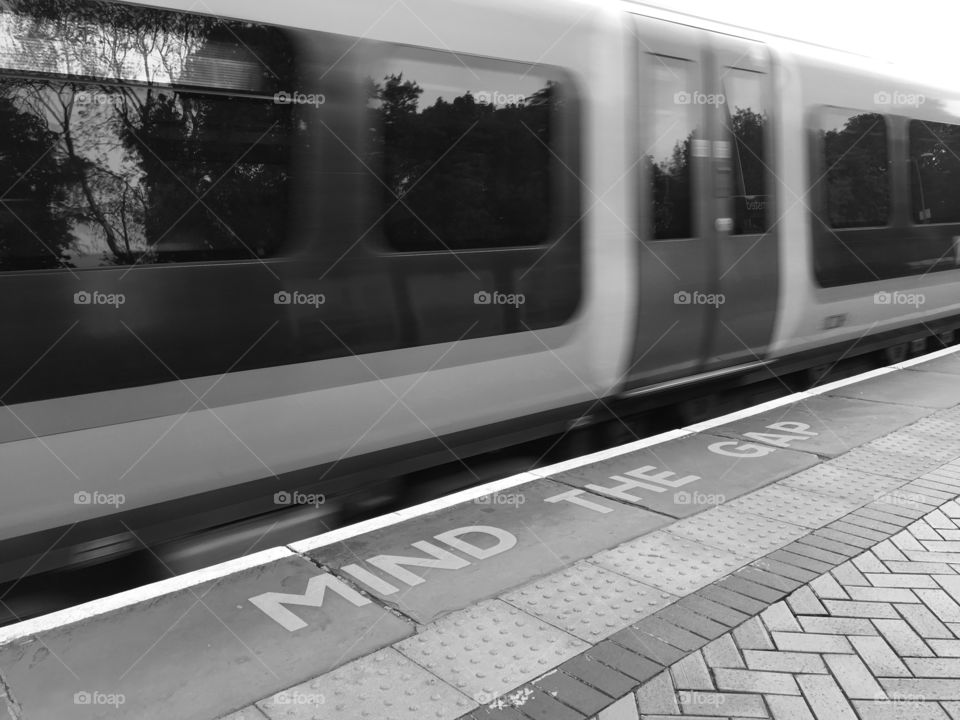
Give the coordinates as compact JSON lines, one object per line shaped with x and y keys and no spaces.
{"x":432,"y":220}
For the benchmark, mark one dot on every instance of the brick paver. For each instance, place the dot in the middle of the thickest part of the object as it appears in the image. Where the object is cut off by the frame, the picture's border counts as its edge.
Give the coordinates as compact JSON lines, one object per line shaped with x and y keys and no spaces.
{"x":874,"y":635}
{"x":867,"y":640}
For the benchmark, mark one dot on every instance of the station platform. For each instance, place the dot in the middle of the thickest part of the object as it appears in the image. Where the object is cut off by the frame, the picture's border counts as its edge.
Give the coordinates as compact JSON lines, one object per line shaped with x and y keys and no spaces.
{"x":800,"y":559}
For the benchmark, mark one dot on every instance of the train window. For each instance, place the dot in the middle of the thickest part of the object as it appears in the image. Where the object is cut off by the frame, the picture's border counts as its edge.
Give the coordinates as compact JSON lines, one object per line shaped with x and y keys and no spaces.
{"x":139,"y":136}
{"x":856,"y":168}
{"x":746,"y":122}
{"x":935,"y":171}
{"x":669,"y":159}
{"x":464,"y":150}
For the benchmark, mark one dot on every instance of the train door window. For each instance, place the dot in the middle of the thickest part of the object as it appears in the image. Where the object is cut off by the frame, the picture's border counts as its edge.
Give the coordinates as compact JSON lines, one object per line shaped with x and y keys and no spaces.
{"x":140,"y":136}
{"x":466,"y":151}
{"x":935,"y":171}
{"x":746,"y":122}
{"x":672,"y":137}
{"x":856,"y":168}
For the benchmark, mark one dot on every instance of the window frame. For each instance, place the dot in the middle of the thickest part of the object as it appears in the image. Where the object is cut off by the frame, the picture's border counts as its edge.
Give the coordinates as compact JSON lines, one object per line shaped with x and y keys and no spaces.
{"x":822,"y":170}
{"x":86,"y":82}
{"x":910,"y":170}
{"x":564,"y":151}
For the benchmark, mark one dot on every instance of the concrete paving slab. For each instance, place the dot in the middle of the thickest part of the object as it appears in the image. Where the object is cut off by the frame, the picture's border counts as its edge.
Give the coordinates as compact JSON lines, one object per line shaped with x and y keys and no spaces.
{"x":826,"y":426}
{"x":949,"y":364}
{"x":383,"y":685}
{"x":490,"y":649}
{"x":455,"y":557}
{"x":685,"y":476}
{"x":903,"y":387}
{"x":589,"y":601}
{"x":180,"y":655}
{"x":670,"y":562}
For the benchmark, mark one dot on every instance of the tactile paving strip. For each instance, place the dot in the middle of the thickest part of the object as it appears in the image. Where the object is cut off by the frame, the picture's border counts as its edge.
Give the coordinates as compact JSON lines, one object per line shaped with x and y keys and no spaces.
{"x":382,"y":685}
{"x":837,"y":481}
{"x":740,"y":532}
{"x":670,"y":562}
{"x":890,"y":464}
{"x":917,"y":445}
{"x":950,"y":414}
{"x":937,"y":427}
{"x":589,"y":601}
{"x":490,"y":648}
{"x":797,"y":507}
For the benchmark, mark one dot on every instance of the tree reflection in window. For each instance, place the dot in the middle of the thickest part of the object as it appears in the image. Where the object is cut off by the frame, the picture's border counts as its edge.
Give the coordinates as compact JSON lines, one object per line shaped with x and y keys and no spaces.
{"x":746,"y":123}
{"x":935,"y":171}
{"x":669,"y":167}
{"x":469,"y":170}
{"x":114,"y":152}
{"x":857,"y":169}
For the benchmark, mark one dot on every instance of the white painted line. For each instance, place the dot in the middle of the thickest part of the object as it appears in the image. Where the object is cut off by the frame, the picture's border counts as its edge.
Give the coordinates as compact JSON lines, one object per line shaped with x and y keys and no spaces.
{"x":377,"y":523}
{"x":152,"y":591}
{"x":837,"y":384}
{"x":912,"y":362}
{"x":112,"y":603}
{"x":613,"y":452}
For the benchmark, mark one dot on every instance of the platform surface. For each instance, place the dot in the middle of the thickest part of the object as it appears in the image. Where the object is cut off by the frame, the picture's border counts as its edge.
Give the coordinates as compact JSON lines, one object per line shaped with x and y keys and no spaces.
{"x":649,"y":578}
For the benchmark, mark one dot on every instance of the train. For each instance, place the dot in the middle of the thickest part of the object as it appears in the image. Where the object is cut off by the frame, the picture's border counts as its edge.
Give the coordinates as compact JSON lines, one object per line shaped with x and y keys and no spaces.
{"x":284,"y":251}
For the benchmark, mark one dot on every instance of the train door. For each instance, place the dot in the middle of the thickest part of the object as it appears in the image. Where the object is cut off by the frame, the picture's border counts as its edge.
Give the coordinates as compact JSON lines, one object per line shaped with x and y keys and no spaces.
{"x":673,"y":170}
{"x":742,"y":222}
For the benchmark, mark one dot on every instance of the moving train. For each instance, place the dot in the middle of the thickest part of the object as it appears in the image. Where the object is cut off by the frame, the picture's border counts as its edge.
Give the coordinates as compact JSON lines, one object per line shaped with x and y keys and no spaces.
{"x":288,"y":247}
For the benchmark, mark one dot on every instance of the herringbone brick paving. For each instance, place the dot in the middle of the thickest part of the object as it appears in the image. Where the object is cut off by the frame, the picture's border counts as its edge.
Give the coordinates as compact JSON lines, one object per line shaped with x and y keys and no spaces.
{"x":876,"y":638}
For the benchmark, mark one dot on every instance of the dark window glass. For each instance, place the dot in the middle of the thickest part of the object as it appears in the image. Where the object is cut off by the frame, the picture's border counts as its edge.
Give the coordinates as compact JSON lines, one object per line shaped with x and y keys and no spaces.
{"x":669,"y":159}
{"x":746,"y":123}
{"x":935,"y":171}
{"x":856,"y":167}
{"x":463,"y":153}
{"x":139,"y":136}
